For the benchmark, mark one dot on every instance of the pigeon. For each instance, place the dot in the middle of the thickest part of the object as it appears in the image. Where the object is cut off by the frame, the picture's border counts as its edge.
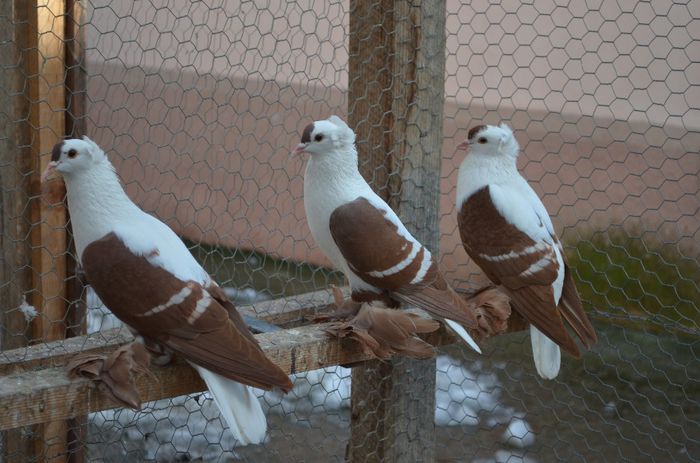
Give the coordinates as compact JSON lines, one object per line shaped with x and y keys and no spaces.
{"x":144,"y":273}
{"x":508,"y":233}
{"x":363,"y":237}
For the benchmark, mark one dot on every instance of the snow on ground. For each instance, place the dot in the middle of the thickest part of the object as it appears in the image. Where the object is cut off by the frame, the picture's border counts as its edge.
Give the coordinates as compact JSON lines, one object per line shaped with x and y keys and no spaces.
{"x":189,"y":426}
{"x":519,"y":434}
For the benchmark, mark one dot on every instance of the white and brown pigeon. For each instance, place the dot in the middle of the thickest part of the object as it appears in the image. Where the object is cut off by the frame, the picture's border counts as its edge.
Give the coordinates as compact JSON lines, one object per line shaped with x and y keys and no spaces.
{"x":146,"y":276}
{"x":362,"y":236}
{"x":507,"y":231}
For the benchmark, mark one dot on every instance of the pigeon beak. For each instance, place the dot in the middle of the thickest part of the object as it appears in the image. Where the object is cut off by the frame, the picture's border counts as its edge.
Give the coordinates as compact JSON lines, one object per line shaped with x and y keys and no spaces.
{"x":464,"y":145}
{"x":50,"y":168}
{"x":301,"y":147}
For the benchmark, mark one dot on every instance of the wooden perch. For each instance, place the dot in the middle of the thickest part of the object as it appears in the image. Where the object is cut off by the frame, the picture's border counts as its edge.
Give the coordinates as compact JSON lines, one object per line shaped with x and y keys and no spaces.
{"x":36,"y":388}
{"x":284,"y":312}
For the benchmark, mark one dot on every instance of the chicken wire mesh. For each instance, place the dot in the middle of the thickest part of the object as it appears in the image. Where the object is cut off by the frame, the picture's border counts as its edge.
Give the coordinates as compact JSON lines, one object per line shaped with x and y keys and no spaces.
{"x":198,"y":105}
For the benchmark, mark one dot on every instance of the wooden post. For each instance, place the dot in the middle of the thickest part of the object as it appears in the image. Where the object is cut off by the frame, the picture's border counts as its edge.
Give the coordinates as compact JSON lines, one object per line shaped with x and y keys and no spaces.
{"x":76,"y":319}
{"x":397,"y":62}
{"x":15,"y":168}
{"x":39,"y":40}
{"x":46,"y":92}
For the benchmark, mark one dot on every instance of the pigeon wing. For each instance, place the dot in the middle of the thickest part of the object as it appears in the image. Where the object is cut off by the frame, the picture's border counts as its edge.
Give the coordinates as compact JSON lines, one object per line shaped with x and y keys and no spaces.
{"x":182,"y":315}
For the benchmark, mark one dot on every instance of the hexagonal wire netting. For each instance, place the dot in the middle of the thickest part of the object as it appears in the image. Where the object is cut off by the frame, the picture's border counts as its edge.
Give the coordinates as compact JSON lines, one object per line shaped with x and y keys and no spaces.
{"x":198,"y":104}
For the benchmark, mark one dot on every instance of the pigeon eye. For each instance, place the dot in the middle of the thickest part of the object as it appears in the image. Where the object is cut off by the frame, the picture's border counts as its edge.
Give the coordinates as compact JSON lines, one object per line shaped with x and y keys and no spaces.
{"x":482,"y":140}
{"x":318,"y":137}
{"x":72,"y":154}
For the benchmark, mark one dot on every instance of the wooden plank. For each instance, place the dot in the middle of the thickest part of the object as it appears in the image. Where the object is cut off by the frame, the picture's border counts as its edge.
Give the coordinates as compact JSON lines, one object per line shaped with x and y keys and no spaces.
{"x":58,"y":353}
{"x":38,"y":35}
{"x":39,"y":396}
{"x":284,"y":312}
{"x":369,"y":103}
{"x":369,"y":75}
{"x":46,"y":93}
{"x":75,"y":121}
{"x":15,"y":220}
{"x":47,"y":394}
{"x":418,"y":108}
{"x":393,"y":403}
{"x":15,"y":167}
{"x":292,"y":310}
{"x":76,"y":91}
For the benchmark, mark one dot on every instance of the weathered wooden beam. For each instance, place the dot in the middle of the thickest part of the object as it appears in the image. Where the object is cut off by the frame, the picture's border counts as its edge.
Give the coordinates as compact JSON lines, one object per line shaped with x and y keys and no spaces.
{"x":45,"y":395}
{"x":75,"y":119}
{"x":15,"y":168}
{"x":39,"y":38}
{"x":38,"y":389}
{"x":58,"y":353}
{"x":370,"y":90}
{"x":46,"y":92}
{"x":397,"y":59}
{"x":292,"y":310}
{"x":284,"y":312}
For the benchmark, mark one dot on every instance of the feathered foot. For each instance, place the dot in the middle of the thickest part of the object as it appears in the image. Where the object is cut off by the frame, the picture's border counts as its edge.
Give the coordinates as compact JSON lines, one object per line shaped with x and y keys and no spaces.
{"x":385,"y":332}
{"x":114,"y":372}
{"x":491,"y":307}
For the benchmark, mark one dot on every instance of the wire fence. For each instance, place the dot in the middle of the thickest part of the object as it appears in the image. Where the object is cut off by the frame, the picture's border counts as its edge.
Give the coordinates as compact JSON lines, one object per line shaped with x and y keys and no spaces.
{"x":198,"y":105}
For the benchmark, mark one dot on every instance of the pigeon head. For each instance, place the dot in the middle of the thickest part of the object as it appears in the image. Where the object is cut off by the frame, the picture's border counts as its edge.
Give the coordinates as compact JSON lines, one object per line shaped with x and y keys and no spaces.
{"x":326,"y":136}
{"x":491,"y":140}
{"x":73,"y":156}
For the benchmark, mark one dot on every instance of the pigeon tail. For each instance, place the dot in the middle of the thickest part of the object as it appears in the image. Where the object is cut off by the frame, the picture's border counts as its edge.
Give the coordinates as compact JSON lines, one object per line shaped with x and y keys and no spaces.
{"x":239,"y":406}
{"x":546,"y":353}
{"x":462,"y":333}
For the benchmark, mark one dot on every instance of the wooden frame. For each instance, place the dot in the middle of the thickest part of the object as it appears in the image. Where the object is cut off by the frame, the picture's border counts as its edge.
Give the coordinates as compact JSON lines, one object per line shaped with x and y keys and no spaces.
{"x":397,"y":53}
{"x":38,"y":29}
{"x":35,"y":387}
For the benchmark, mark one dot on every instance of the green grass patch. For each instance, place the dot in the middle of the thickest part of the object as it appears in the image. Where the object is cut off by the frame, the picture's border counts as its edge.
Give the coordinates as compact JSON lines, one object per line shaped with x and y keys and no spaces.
{"x":628,"y":277}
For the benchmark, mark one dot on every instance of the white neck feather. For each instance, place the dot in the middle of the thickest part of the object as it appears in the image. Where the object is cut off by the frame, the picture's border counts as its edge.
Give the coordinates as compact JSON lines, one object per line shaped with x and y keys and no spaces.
{"x":337,"y":172}
{"x":478,"y":170}
{"x":331,"y":180}
{"x":97,"y":204}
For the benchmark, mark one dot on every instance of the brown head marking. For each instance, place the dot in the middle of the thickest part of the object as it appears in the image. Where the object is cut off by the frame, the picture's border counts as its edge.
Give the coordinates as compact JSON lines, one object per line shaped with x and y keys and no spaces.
{"x":306,"y":135}
{"x":475,"y":130}
{"x":56,"y":151}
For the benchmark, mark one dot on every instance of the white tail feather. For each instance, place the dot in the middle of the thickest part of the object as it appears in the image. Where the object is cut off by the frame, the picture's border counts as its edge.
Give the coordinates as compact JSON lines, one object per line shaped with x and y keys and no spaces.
{"x":239,"y":406}
{"x":462,"y":333}
{"x":546,"y":353}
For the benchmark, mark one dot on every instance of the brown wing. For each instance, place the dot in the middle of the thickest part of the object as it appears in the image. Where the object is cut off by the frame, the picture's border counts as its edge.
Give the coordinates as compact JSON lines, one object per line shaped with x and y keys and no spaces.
{"x":572,"y":310}
{"x":218,"y":294}
{"x":181,"y":315}
{"x":525,"y":268}
{"x":381,"y":256}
